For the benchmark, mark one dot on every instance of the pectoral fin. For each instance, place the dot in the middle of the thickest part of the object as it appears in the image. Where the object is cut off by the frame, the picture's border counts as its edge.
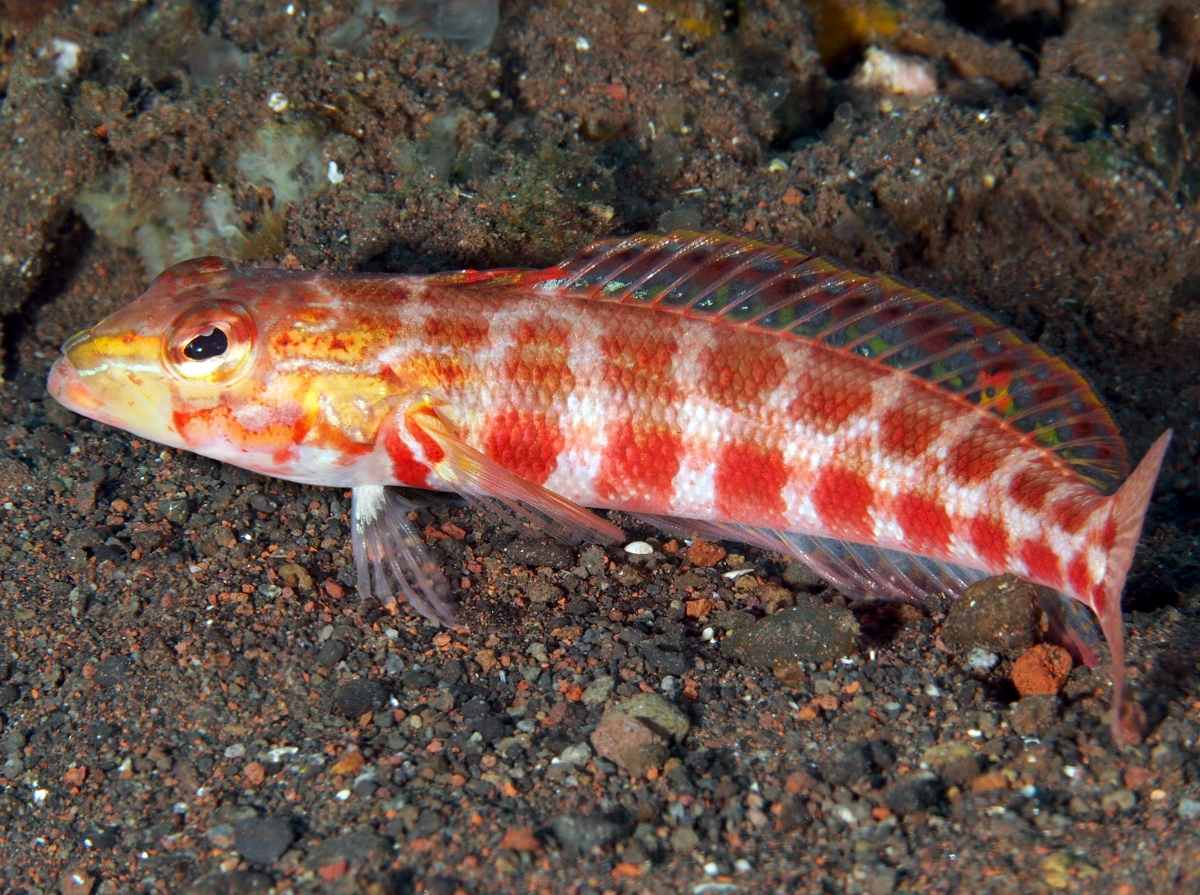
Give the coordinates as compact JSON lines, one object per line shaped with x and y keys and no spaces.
{"x":386,"y":541}
{"x":519,"y":502}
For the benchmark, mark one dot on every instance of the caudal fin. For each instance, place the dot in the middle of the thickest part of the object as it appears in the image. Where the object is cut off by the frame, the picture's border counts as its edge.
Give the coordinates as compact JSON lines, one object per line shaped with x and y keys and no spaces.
{"x":1127,"y":514}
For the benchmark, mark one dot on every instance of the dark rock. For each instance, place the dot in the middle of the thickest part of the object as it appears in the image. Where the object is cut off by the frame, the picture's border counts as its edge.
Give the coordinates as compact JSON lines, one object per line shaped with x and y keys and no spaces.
{"x":331,"y":652}
{"x":262,"y":840}
{"x":787,"y":640}
{"x":1002,"y":615}
{"x":580,"y":834}
{"x":112,"y":671}
{"x":355,"y":699}
{"x":237,"y":882}
{"x":539,"y":553}
{"x":360,"y":849}
{"x":175,"y":510}
{"x":1035,"y":715}
{"x":664,"y":661}
{"x":416,"y":679}
{"x":916,"y":792}
{"x":844,"y":764}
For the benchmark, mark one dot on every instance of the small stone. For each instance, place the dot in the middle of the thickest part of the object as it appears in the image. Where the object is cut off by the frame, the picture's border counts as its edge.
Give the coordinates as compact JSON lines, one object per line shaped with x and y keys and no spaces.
{"x":254,"y":773}
{"x":577,"y":754}
{"x":787,"y":640}
{"x":350,"y":763}
{"x":684,"y":839}
{"x":1041,"y":670}
{"x":295,"y":576}
{"x":1000,"y":615}
{"x":333,"y":870}
{"x":262,"y":840}
{"x":175,"y":510}
{"x":630,"y":743}
{"x":661,"y":714}
{"x":520,"y":839}
{"x":538,"y":553}
{"x":639,"y":548}
{"x":1118,"y":801}
{"x":1188,"y":809}
{"x":355,"y":699}
{"x":598,"y":691}
{"x":979,"y":659}
{"x":1034,"y":715}
{"x":705,"y":554}
{"x":916,"y":792}
{"x":580,"y":834}
{"x":76,"y":882}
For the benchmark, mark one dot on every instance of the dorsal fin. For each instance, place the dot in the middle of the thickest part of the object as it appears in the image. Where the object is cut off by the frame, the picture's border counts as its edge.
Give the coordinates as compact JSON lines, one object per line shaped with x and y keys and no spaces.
{"x":785,"y":293}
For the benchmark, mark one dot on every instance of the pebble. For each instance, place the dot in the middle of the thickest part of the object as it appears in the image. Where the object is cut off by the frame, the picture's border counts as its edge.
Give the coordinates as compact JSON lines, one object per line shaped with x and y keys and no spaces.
{"x":1189,"y":809}
{"x":1034,"y":715}
{"x":598,"y":690}
{"x":1041,"y":670}
{"x":787,"y":640}
{"x":539,"y":553}
{"x":580,"y":834}
{"x":355,"y":699}
{"x":1000,"y":615}
{"x":262,"y":840}
{"x":639,"y":548}
{"x":632,"y":744}
{"x":661,"y":714}
{"x":914,"y":792}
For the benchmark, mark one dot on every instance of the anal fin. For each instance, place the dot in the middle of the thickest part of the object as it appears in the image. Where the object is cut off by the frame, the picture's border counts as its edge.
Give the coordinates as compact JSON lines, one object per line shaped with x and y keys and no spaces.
{"x":857,"y":570}
{"x":388,"y":550}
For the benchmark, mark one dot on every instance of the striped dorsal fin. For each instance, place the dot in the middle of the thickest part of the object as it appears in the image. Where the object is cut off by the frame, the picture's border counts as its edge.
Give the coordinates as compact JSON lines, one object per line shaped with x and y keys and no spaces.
{"x":782,"y":292}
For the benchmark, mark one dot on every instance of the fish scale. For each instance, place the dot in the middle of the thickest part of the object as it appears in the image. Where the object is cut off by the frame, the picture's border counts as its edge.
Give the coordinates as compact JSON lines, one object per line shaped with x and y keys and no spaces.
{"x":897,"y":442}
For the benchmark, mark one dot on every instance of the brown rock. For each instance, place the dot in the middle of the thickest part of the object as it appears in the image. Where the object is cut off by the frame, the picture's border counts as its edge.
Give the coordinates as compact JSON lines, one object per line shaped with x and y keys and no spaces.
{"x":705,"y":554}
{"x":1042,"y":670}
{"x":520,"y":839}
{"x":630,"y":743}
{"x":1002,"y":615}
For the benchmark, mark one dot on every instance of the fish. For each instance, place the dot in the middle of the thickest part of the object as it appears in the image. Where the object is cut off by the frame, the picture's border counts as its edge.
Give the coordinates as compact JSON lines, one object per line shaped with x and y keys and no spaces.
{"x":898,"y":443}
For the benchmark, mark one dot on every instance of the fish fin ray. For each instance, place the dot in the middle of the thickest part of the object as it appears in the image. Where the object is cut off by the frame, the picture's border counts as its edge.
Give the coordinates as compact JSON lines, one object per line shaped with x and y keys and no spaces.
{"x":388,"y":550}
{"x":857,"y":570}
{"x":505,"y":277}
{"x":519,"y":502}
{"x":785,"y":293}
{"x":1127,"y":513}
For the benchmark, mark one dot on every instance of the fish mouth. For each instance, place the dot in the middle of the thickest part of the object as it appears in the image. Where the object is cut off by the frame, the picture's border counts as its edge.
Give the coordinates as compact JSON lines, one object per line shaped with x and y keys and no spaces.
{"x":67,"y":388}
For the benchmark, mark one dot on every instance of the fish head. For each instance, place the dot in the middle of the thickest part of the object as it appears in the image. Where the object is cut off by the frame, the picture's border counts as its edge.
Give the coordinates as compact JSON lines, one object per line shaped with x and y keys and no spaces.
{"x":189,"y":339}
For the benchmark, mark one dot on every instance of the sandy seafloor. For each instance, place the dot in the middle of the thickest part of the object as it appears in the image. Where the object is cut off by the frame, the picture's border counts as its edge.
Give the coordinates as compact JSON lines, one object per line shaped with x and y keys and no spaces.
{"x":192,"y":697}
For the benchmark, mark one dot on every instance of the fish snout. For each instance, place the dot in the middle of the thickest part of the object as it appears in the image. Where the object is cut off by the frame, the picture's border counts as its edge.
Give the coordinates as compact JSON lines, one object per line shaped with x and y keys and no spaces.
{"x":66,"y":387}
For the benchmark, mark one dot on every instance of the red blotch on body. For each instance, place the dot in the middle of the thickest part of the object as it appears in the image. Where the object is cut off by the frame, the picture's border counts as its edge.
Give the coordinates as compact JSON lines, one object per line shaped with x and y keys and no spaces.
{"x":927,"y":525}
{"x":741,"y":369}
{"x":1079,"y":579}
{"x":748,"y":485}
{"x":538,"y":357}
{"x":405,"y":467}
{"x":1071,"y":514}
{"x":639,"y":465}
{"x":1029,"y":488}
{"x":976,"y":456}
{"x":527,"y":443}
{"x":909,"y":427}
{"x":1042,"y":563}
{"x":827,"y":396}
{"x":990,"y":541}
{"x":639,"y":361}
{"x":843,"y":500}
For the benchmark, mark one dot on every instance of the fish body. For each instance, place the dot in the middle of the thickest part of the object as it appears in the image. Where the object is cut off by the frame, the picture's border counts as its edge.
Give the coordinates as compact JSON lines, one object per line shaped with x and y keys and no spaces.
{"x":897,"y":442}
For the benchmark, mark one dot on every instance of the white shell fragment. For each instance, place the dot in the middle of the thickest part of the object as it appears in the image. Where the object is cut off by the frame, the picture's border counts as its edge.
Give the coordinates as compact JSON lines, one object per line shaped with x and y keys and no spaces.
{"x":639,"y":548}
{"x":885,"y":72}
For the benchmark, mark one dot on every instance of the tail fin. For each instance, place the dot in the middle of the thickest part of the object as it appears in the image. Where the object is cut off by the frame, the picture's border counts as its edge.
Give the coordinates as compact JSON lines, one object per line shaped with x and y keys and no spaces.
{"x":1127,"y":514}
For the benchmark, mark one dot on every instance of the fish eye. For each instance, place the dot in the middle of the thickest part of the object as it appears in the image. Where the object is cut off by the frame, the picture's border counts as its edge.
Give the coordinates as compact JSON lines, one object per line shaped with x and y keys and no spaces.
{"x":210,"y":344}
